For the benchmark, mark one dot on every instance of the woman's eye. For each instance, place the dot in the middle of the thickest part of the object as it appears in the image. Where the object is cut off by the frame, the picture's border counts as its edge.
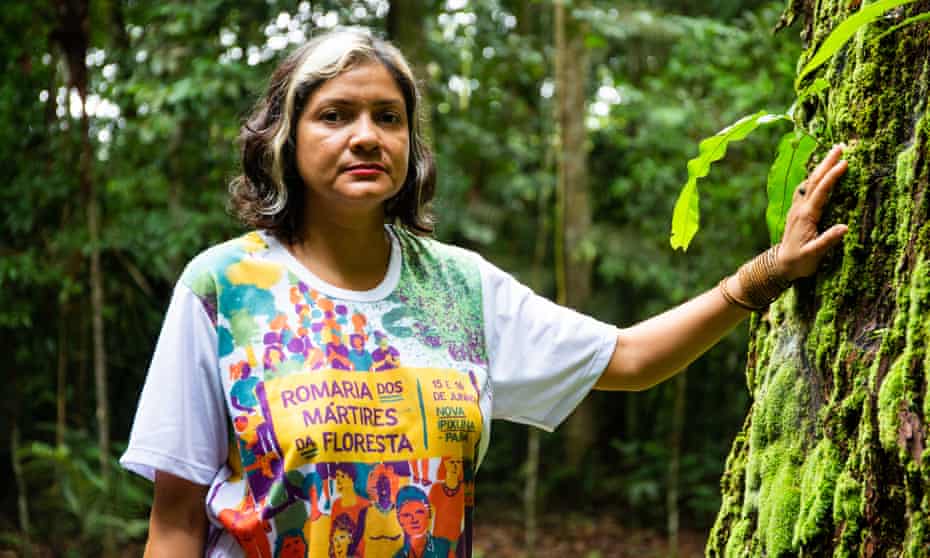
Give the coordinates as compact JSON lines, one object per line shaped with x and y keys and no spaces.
{"x":391,"y":117}
{"x":331,"y":116}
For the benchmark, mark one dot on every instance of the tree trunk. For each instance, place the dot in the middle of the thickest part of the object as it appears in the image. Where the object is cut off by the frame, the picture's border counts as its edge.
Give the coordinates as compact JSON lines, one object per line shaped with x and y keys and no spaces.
{"x":72,"y":33}
{"x":96,"y":298}
{"x":61,"y":396}
{"x":573,"y":270}
{"x":830,"y":460}
{"x":534,"y":436}
{"x":405,"y":29}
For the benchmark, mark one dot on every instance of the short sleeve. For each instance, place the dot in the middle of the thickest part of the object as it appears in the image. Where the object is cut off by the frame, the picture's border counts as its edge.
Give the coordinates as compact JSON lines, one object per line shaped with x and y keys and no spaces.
{"x":544,"y":358}
{"x":180,"y":424}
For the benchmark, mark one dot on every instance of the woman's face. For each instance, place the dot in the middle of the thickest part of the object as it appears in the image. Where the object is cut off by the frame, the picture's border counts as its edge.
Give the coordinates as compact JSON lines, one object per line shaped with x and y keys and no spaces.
{"x":353,"y":143}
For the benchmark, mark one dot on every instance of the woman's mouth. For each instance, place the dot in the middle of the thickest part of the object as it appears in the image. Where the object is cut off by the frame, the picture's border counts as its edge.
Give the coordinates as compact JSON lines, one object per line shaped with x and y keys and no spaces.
{"x":365,"y":170}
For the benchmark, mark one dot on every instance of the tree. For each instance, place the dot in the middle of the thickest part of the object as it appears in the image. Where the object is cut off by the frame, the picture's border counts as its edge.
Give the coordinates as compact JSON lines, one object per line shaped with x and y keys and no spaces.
{"x":830,"y":459}
{"x":573,"y":221}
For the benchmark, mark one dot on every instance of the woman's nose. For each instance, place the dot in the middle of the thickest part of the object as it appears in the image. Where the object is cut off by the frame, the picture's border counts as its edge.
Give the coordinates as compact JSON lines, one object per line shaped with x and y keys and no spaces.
{"x":365,"y":134}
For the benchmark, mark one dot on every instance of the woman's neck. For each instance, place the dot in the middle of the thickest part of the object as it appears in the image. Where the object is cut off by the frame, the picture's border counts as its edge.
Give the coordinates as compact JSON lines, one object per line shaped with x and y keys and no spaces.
{"x":351,"y":256}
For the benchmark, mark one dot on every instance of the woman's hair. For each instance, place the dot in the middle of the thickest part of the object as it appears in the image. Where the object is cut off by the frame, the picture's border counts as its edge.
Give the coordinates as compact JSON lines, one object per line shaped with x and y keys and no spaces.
{"x":270,"y":194}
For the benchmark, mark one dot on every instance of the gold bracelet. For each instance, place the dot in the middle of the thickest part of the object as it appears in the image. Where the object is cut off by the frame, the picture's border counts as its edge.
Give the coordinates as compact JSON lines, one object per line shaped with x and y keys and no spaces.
{"x":760,"y":283}
{"x":728,"y":296}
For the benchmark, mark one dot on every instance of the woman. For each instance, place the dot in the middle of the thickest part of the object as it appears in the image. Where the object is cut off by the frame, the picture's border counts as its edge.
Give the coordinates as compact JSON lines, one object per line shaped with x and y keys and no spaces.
{"x":330,"y":155}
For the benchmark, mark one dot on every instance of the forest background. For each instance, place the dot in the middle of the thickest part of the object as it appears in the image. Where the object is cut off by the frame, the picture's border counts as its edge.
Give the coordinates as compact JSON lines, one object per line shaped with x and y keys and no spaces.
{"x":119,"y":138}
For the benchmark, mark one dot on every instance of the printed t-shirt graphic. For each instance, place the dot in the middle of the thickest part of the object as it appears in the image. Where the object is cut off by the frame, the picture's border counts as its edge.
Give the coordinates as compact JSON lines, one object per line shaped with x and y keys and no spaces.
{"x":347,"y":414}
{"x":353,"y":422}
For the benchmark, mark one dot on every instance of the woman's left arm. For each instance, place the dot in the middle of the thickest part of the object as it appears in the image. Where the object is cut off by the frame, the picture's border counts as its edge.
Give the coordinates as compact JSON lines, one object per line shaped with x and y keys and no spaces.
{"x":655,"y":349}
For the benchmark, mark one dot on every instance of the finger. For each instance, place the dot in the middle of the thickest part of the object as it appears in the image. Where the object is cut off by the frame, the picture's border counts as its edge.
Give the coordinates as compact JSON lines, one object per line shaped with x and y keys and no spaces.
{"x":819,"y":196}
{"x":827,"y":239}
{"x":832,"y":157}
{"x":800,"y":192}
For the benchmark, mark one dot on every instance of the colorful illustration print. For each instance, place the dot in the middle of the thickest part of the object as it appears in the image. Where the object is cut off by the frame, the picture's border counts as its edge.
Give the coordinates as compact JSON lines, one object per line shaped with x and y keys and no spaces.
{"x":357,"y":424}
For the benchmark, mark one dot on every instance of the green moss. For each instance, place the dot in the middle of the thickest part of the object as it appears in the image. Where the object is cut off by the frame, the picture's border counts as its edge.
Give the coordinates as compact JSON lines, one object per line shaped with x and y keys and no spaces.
{"x":722,"y":534}
{"x":847,"y":499}
{"x":890,"y":396}
{"x":847,"y":513}
{"x":917,"y":538}
{"x":904,"y":178}
{"x":776,"y":417}
{"x":818,"y":480}
{"x":740,"y":532}
{"x":869,"y":335}
{"x":779,"y":503}
{"x":780,"y":405}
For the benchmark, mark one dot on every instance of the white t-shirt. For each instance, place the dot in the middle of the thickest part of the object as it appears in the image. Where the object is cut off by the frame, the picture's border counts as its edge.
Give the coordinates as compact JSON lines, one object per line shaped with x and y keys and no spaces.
{"x":325,"y":420}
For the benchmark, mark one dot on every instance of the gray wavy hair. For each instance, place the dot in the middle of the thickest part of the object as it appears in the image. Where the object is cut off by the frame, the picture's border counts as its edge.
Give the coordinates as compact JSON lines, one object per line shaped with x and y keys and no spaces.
{"x":269,"y":194}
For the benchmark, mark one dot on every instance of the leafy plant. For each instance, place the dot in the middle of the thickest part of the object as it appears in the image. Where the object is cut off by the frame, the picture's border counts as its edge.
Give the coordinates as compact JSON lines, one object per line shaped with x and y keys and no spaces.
{"x":795,"y":148}
{"x":65,"y":482}
{"x":686,"y":216}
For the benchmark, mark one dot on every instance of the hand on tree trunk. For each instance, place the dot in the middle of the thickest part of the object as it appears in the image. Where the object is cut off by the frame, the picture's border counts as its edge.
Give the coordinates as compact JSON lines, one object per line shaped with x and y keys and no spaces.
{"x":802,"y":245}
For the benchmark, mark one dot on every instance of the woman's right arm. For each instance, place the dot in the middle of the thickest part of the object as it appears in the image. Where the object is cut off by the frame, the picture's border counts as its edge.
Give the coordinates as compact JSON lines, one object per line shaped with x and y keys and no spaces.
{"x":178,"y":522}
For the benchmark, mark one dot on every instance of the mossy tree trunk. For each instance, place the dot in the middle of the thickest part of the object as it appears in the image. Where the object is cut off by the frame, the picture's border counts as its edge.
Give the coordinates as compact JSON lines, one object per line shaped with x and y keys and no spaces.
{"x":831,"y":459}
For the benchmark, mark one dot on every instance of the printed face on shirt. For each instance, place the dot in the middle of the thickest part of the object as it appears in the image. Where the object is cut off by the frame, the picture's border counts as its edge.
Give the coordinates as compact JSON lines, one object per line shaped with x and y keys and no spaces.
{"x":414,"y":518}
{"x":353,"y":142}
{"x":344,"y":483}
{"x":293,"y":547}
{"x":340,"y":541}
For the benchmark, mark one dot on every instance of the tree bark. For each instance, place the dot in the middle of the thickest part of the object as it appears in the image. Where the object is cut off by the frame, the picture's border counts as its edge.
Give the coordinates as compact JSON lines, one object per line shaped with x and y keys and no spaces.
{"x":573,"y":270}
{"x":830,"y":460}
{"x":73,"y":35}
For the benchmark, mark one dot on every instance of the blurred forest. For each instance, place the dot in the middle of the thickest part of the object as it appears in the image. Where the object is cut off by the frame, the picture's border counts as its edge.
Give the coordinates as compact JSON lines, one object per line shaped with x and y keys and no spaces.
{"x":119,"y":138}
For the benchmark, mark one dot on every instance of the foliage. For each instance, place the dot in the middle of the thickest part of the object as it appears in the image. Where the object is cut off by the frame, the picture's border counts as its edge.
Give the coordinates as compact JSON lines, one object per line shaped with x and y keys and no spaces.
{"x":845,"y":31}
{"x":77,"y":506}
{"x":685,"y":218}
{"x":169,"y":83}
{"x":793,"y":151}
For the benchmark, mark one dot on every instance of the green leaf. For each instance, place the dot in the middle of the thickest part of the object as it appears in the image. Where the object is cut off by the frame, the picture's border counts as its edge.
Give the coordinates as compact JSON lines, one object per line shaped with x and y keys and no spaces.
{"x":789,"y":170}
{"x":686,"y":216}
{"x":906,"y":22}
{"x":844,"y":31}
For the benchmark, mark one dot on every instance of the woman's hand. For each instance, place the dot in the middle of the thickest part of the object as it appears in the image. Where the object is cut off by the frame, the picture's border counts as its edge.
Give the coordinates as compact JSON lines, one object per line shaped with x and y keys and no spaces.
{"x":653,"y":350}
{"x":802,"y":246}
